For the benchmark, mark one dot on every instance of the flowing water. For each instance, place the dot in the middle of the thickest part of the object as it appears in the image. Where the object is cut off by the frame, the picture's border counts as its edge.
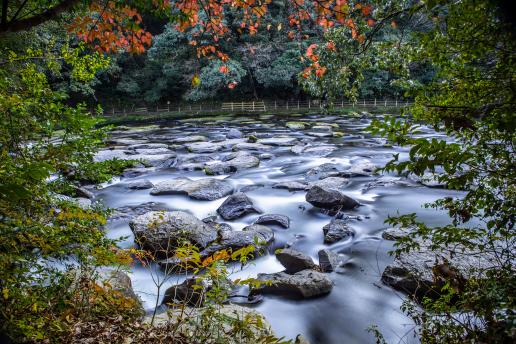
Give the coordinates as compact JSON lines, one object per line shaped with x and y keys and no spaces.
{"x":358,"y":299}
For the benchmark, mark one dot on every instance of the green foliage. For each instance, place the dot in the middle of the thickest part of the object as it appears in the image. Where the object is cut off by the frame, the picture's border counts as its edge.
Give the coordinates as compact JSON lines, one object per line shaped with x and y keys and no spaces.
{"x":470,"y":97}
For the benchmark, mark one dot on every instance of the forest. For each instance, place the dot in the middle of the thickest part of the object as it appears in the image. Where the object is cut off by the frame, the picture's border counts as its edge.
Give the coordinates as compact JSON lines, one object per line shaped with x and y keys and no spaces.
{"x":339,"y":220}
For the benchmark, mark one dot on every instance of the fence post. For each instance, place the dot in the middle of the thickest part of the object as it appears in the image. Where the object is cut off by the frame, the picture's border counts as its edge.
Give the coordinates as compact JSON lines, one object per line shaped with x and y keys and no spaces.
{"x":396,"y":102}
{"x":385,"y":103}
{"x":364,"y":102}
{"x":342,"y":103}
{"x":287,"y":104}
{"x":113,"y":111}
{"x":179,"y":108}
{"x":275,"y":105}
{"x":309,"y":103}
{"x":298,"y":104}
{"x":374,"y":102}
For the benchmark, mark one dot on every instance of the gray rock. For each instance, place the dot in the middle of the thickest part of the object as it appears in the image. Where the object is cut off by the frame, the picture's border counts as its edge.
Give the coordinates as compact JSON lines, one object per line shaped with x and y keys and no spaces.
{"x":329,"y":199}
{"x":395,"y":233}
{"x":295,"y":125}
{"x":413,"y":272}
{"x":294,"y":261}
{"x":82,"y":192}
{"x":266,"y":156}
{"x":189,"y":139}
{"x":428,"y":179}
{"x":336,"y":231}
{"x":129,"y":211}
{"x":203,"y":147}
{"x":274,"y":219}
{"x":292,"y":186}
{"x":302,"y":284}
{"x":237,"y":163}
{"x":119,"y":281}
{"x":236,"y":206}
{"x":331,"y":183}
{"x":192,"y":292}
{"x":362,"y":168}
{"x":149,"y":151}
{"x":320,"y":134}
{"x":202,"y":189}
{"x":278,"y":141}
{"x":234,"y":134}
{"x":252,"y":146}
{"x":139,"y":185}
{"x":328,"y":260}
{"x":322,"y":128}
{"x":324,"y":171}
{"x":161,"y":231}
{"x":148,"y":146}
{"x":255,"y":235}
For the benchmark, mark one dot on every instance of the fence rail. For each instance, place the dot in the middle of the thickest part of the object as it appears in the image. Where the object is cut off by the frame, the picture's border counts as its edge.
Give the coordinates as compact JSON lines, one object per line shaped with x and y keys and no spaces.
{"x":254,"y":106}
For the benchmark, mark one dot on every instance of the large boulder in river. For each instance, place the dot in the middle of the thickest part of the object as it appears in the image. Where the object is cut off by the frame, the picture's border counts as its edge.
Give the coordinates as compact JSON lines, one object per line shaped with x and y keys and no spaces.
{"x":236,"y":206}
{"x":302,"y":284}
{"x":161,"y":231}
{"x":207,"y":189}
{"x":237,"y":162}
{"x":234,"y":134}
{"x":329,"y":261}
{"x":424,"y":272}
{"x":192,"y":292}
{"x":254,"y":235}
{"x":274,"y":219}
{"x":329,"y":199}
{"x":292,"y":185}
{"x":294,"y":261}
{"x":337,"y":230}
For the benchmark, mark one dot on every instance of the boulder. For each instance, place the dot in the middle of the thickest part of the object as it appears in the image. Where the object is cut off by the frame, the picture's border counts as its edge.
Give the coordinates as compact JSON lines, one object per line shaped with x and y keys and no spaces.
{"x":302,"y":284}
{"x":329,"y":199}
{"x":294,"y":261}
{"x":324,"y":171}
{"x":120,"y":282}
{"x":129,"y":211}
{"x":189,"y":139}
{"x":428,"y":179}
{"x":418,"y":272}
{"x":292,"y":186}
{"x":296,"y":125}
{"x":362,"y":168}
{"x":203,"y":147}
{"x":252,"y":146}
{"x":237,"y":163}
{"x":139,"y":185}
{"x":235,"y":206}
{"x":337,"y":230}
{"x":274,"y":219}
{"x":161,"y":231}
{"x":234,"y":134}
{"x":207,"y":189}
{"x":278,"y":141}
{"x":395,"y":233}
{"x":192,"y":292}
{"x":256,"y":235}
{"x":331,"y":183}
{"x":328,"y":260}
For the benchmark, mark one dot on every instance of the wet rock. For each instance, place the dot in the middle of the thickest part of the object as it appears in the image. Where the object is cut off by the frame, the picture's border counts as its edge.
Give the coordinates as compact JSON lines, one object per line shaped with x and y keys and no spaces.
{"x":274,"y":219}
{"x":234,"y":134}
{"x":148,"y":151}
{"x":294,"y":261}
{"x":329,"y":199}
{"x":336,"y":231}
{"x":254,"y":235}
{"x":139,"y":185}
{"x":266,"y":156}
{"x":252,"y":146}
{"x":296,"y":125}
{"x":292,"y":186}
{"x":395,"y":233}
{"x":329,"y":261}
{"x":148,"y":146}
{"x":319,"y":150}
{"x":320,"y":134}
{"x":324,"y":171}
{"x":83,"y":193}
{"x":414,"y":272}
{"x":249,"y":188}
{"x":137,"y":171}
{"x":238,"y":162}
{"x":363,"y":168}
{"x":189,"y":139}
{"x":135,"y":210}
{"x":278,"y":141}
{"x":203,"y":147}
{"x":302,"y":284}
{"x":236,"y":206}
{"x":192,"y":292}
{"x":161,"y":231}
{"x":119,"y":281}
{"x":322,"y":128}
{"x":331,"y":183}
{"x":386,"y":181}
{"x":207,"y":189}
{"x":191,"y":162}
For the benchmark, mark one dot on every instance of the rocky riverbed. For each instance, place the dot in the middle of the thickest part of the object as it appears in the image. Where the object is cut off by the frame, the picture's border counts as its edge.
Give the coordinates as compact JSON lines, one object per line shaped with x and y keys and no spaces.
{"x":304,"y":184}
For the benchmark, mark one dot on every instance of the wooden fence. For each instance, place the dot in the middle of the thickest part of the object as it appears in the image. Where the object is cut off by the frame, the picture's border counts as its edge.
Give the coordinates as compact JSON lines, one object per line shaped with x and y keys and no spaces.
{"x":259,"y":106}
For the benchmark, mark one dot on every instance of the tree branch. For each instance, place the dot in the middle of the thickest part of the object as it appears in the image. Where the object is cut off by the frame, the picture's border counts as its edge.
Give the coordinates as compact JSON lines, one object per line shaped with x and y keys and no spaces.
{"x":49,"y":14}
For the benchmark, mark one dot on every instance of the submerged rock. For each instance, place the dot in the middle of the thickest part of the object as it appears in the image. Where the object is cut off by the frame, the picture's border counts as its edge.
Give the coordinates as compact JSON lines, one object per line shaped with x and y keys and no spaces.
{"x":161,"y":231}
{"x":236,"y":206}
{"x":324,"y":171}
{"x":329,"y":199}
{"x":234,"y":134}
{"x":302,"y":284}
{"x":336,"y":231}
{"x":274,"y":219}
{"x":331,"y":183}
{"x":202,"y":189}
{"x":294,"y":261}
